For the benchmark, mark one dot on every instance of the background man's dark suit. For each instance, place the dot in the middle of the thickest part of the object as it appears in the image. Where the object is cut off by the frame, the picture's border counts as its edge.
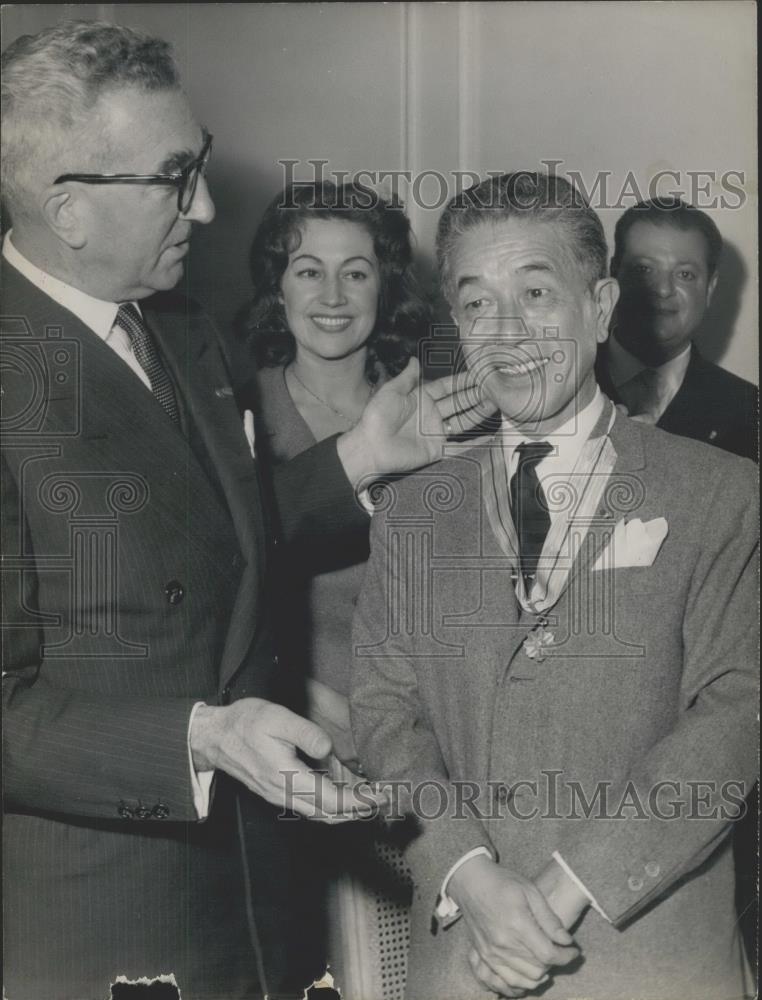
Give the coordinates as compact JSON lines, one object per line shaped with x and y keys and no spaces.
{"x":132,"y":588}
{"x":711,"y":405}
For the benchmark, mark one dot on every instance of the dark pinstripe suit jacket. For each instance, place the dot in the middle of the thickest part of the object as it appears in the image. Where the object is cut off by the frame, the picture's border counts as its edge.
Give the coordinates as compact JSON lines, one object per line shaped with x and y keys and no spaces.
{"x":134,"y":558}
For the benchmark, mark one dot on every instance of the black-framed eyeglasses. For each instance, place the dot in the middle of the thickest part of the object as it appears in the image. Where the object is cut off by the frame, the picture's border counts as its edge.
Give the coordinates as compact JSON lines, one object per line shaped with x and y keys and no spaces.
{"x":185,"y":180}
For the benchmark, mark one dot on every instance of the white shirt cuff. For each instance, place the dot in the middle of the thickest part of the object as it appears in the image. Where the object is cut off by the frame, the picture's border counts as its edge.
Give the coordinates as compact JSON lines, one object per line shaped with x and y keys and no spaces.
{"x":447,"y":910}
{"x":201,"y":781}
{"x":582,"y":888}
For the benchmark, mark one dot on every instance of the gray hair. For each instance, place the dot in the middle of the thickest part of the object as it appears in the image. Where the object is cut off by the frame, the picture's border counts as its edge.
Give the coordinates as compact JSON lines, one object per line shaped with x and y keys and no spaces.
{"x":539,"y":196}
{"x":51,"y":83}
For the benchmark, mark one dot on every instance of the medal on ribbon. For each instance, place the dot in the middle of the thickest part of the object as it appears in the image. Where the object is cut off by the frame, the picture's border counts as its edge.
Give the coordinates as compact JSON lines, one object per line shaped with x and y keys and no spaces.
{"x":538,"y":641}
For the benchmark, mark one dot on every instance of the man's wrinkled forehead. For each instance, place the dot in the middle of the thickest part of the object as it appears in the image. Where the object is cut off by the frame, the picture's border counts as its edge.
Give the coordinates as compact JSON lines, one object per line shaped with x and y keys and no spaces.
{"x":525,"y":245}
{"x":149,"y":131}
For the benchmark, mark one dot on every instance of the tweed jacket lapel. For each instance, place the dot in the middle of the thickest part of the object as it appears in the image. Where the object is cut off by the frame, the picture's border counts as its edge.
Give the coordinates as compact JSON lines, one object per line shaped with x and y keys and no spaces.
{"x":622,"y":495}
{"x":619,"y":496}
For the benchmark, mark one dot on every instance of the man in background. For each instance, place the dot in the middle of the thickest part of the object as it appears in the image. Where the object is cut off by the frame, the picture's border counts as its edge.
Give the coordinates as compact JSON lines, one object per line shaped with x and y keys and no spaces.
{"x":666,"y":256}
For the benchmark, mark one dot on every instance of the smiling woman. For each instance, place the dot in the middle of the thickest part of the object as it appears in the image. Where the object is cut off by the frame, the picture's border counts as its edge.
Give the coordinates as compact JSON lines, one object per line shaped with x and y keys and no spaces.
{"x":335,"y":313}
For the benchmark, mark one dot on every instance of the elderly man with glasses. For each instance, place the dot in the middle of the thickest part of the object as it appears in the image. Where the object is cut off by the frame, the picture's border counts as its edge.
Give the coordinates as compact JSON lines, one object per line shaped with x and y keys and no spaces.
{"x":137,"y":658}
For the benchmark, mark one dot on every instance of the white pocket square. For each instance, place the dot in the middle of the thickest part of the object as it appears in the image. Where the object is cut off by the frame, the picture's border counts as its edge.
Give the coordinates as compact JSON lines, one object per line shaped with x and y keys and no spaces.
{"x":248,"y":429}
{"x":633,"y":543}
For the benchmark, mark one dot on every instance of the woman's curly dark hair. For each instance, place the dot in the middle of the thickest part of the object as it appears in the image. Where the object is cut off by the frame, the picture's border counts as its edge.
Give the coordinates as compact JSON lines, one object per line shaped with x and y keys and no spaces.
{"x":403,"y":314}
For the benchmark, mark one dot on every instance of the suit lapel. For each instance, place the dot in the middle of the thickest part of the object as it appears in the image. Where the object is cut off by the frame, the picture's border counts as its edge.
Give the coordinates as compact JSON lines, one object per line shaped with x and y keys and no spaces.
{"x":125,"y":426}
{"x":691,"y":411}
{"x":105,"y":411}
{"x":199,"y":370}
{"x":622,"y":495}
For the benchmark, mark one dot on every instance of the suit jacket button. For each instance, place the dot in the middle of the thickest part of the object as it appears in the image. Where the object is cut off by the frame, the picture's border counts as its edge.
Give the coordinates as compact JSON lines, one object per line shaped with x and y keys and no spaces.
{"x":174,"y":591}
{"x":124,"y":811}
{"x":652,"y":869}
{"x":225,"y":695}
{"x":635,"y":883}
{"x":143,"y":812}
{"x":160,"y":811}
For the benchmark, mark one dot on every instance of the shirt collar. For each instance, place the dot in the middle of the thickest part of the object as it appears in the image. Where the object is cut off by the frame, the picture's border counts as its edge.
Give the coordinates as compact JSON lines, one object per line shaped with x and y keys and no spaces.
{"x":96,"y":314}
{"x":567,"y":440}
{"x":623,"y":366}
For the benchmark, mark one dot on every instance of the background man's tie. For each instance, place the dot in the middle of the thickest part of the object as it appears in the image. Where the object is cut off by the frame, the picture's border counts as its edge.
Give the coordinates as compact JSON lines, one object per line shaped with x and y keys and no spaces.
{"x":144,"y":349}
{"x":530,"y":512}
{"x":641,"y":395}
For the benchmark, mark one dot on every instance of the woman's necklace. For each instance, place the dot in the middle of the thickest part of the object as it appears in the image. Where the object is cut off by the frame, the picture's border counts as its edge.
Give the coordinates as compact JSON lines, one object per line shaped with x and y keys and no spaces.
{"x":324,"y":402}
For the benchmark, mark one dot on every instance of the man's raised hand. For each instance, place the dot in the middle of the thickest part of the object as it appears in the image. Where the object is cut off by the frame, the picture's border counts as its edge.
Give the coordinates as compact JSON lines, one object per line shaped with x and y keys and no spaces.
{"x":405,"y":425}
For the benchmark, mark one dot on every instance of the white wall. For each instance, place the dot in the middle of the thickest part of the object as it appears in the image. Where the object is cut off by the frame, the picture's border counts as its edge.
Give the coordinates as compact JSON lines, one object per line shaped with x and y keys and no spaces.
{"x":618,"y":87}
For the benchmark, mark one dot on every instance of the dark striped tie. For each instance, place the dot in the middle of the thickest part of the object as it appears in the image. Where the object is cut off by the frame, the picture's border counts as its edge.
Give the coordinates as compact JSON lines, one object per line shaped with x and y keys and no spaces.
{"x":530,"y":511}
{"x":144,"y":349}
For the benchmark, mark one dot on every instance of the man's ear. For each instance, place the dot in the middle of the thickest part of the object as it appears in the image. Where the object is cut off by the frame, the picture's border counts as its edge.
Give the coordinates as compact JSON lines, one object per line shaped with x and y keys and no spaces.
{"x":711,"y":287}
{"x":605,"y":297}
{"x":62,"y":211}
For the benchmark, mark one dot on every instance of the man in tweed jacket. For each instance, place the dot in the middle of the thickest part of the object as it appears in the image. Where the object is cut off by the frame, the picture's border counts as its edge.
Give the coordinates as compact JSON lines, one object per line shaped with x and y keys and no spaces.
{"x":555,"y":649}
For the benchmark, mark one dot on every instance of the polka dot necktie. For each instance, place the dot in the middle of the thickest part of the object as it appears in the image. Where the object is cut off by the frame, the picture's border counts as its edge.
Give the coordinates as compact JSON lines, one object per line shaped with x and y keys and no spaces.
{"x":530,"y":510}
{"x":144,"y":349}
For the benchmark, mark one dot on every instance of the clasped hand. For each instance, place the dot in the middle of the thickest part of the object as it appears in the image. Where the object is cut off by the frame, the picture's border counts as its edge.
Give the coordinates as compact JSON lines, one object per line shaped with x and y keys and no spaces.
{"x":516,"y":936}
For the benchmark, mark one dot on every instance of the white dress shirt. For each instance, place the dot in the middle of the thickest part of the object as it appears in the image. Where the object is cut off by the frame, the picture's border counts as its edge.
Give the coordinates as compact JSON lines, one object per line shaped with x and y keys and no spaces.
{"x":99,"y":316}
{"x":567,"y":441}
{"x":624,"y":366}
{"x":96,"y":314}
